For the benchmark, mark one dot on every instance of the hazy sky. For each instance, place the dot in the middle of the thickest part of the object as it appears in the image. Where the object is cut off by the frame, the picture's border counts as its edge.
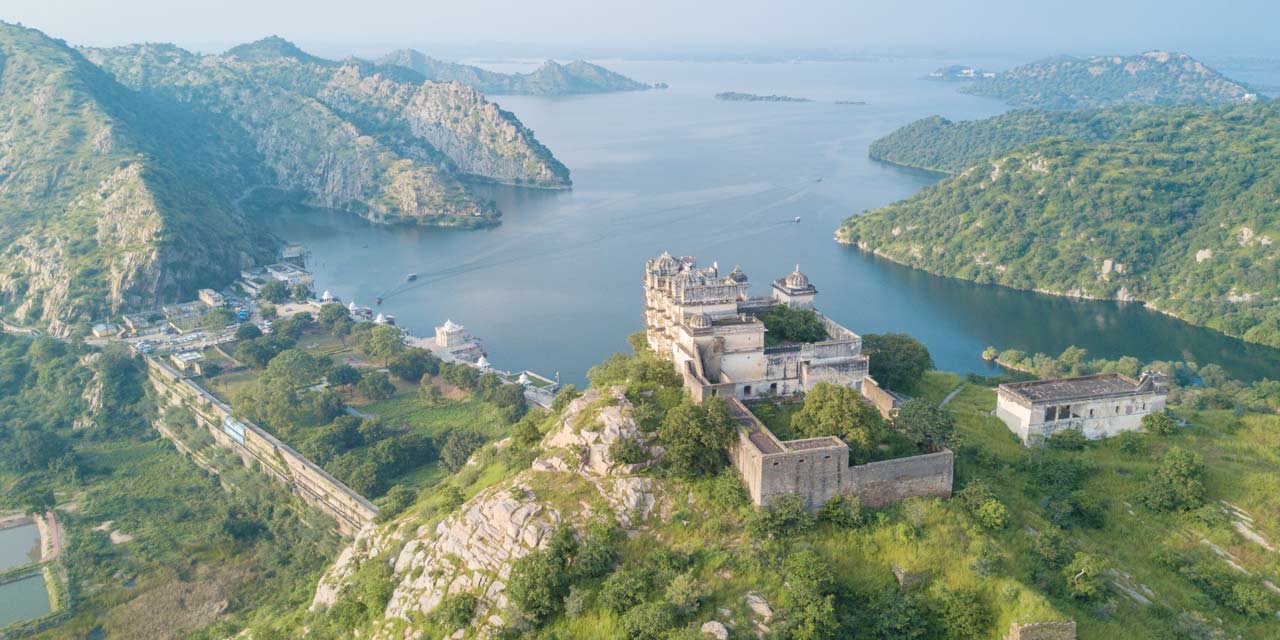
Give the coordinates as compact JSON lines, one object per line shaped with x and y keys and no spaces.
{"x":602,"y":28}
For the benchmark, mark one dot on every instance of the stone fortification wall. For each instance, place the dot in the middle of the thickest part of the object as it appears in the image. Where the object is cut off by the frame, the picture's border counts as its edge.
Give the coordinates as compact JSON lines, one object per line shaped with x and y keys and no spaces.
{"x":818,"y":469}
{"x":1042,"y":631}
{"x":888,"y":481}
{"x":260,"y":450}
{"x":882,"y":400}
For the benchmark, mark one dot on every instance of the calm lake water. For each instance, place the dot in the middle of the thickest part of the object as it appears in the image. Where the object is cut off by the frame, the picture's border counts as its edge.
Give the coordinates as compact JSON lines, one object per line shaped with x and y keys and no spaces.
{"x":19,"y":545}
{"x":557,"y":287}
{"x":23,"y":599}
{"x":27,"y":597}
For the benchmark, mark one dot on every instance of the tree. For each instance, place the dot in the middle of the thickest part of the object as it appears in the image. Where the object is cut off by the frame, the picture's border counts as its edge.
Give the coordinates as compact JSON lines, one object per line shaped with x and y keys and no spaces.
{"x":929,"y":426}
{"x":537,"y":585}
{"x":1177,"y":484}
{"x":292,"y":369}
{"x":274,"y":292}
{"x":898,"y":361}
{"x":458,"y":447}
{"x":376,"y":386}
{"x":397,"y":499}
{"x":696,"y":437}
{"x":783,"y":324}
{"x":622,"y":590}
{"x":332,"y":313}
{"x":413,"y":364}
{"x":834,"y":410}
{"x":34,"y":449}
{"x":649,"y":621}
{"x":217,"y":319}
{"x":844,"y":511}
{"x":343,"y":375}
{"x":248,"y":331}
{"x":37,"y":500}
{"x":384,"y":343}
{"x":1085,"y":576}
{"x":300,"y":292}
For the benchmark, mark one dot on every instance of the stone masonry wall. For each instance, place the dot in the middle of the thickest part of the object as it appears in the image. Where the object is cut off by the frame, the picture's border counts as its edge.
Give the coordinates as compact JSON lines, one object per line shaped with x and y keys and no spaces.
{"x":1042,"y":631}
{"x":887,"y":481}
{"x":264,"y":452}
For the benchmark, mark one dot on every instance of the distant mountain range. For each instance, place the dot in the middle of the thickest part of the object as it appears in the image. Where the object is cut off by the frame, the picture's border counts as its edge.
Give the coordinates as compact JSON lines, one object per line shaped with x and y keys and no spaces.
{"x":121,"y":170}
{"x":550,"y":79}
{"x":1065,"y":82}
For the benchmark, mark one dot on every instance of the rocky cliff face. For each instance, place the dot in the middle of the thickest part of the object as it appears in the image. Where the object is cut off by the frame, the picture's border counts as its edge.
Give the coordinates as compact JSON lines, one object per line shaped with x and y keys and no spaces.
{"x":472,"y":549}
{"x":350,"y":135}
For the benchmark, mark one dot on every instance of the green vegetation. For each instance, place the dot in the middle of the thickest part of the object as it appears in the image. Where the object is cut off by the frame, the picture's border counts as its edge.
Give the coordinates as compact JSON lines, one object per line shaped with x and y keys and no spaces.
{"x":938,"y":144}
{"x":550,"y":79}
{"x":154,"y":543}
{"x":785,"y":325}
{"x":1151,"y":78}
{"x":1177,"y":212}
{"x":897,"y":360}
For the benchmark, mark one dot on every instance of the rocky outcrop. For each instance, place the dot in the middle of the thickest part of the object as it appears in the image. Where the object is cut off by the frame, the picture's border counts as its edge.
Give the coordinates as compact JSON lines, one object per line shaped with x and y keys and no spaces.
{"x":471,"y":550}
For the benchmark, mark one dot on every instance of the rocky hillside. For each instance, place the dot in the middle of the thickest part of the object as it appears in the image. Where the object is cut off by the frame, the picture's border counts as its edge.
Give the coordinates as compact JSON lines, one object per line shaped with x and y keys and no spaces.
{"x":1179,"y":211}
{"x":1154,"y":77}
{"x":108,"y":200}
{"x":550,"y":79}
{"x":350,"y":135}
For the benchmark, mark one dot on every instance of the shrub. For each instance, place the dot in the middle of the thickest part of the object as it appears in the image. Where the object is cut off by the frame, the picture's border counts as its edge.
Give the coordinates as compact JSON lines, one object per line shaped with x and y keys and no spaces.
{"x":844,"y":511}
{"x":649,"y":621}
{"x":685,"y":593}
{"x":927,"y":425}
{"x":1251,"y":600}
{"x":965,"y":615}
{"x":622,"y":590}
{"x":1067,"y":440}
{"x":991,"y":514}
{"x":785,"y":516}
{"x":248,"y":331}
{"x":455,"y":611}
{"x":628,"y":451}
{"x":1159,"y":424}
{"x":1131,"y":443}
{"x":598,"y":550}
{"x":695,"y":437}
{"x":577,"y":602}
{"x":395,"y":502}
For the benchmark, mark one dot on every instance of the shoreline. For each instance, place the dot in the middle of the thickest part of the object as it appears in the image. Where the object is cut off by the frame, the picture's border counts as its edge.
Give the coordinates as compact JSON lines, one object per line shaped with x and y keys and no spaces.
{"x":863,"y":247}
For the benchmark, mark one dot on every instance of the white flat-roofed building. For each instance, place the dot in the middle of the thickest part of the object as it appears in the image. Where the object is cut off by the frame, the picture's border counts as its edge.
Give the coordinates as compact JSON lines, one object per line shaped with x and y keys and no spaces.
{"x":1100,"y":405}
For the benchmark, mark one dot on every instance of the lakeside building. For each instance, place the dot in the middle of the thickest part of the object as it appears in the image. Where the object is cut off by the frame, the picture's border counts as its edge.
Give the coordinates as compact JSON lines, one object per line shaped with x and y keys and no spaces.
{"x":1100,"y":405}
{"x":709,"y":326}
{"x":211,"y":298}
{"x":289,"y":274}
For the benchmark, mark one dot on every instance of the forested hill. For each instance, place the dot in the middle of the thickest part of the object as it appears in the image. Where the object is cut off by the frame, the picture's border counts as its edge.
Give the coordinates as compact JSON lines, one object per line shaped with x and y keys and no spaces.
{"x":121,"y":169}
{"x":108,"y":199}
{"x":550,"y":79}
{"x":938,"y":144}
{"x":1151,"y":78}
{"x":1180,"y":212}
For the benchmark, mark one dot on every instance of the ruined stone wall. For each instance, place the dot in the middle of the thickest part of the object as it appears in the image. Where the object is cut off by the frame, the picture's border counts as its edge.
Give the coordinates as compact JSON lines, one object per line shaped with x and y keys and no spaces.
{"x":261,"y":451}
{"x":1042,"y":631}
{"x":887,"y":481}
{"x":748,"y":461}
{"x":882,"y":400}
{"x":815,"y":475}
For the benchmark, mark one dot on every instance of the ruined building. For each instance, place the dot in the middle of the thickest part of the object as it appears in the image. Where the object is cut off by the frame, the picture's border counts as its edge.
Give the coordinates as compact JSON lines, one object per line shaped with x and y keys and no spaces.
{"x":708,"y":325}
{"x":1100,"y":405}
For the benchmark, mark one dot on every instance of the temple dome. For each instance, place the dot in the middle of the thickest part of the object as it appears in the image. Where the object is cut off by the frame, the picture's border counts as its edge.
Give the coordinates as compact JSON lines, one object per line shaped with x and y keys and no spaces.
{"x":797,"y":280}
{"x":666,"y":265}
{"x":688,"y":278}
{"x":700,"y":321}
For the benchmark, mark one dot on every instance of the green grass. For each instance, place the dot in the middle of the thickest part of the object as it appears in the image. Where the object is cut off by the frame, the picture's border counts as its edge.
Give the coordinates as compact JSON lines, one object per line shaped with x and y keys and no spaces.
{"x":409,"y":408}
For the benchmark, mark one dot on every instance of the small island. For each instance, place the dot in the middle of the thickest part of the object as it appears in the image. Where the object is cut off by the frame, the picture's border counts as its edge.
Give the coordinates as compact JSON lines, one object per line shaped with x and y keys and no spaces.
{"x":959,"y":72}
{"x":735,"y":96}
{"x":852,"y":103}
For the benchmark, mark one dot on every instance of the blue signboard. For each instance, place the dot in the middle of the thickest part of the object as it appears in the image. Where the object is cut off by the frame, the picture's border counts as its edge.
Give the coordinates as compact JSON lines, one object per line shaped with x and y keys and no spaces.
{"x":233,"y":428}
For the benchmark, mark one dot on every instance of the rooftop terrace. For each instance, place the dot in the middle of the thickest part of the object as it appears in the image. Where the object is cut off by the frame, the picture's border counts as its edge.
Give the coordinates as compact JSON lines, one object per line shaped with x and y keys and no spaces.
{"x":1070,"y":389}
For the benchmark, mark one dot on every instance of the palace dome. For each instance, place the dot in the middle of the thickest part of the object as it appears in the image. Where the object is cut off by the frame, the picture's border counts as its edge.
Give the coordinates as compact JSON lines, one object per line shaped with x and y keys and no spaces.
{"x":666,"y":265}
{"x":737,"y":276}
{"x":700,"y":321}
{"x":688,"y":278}
{"x":797,"y":280}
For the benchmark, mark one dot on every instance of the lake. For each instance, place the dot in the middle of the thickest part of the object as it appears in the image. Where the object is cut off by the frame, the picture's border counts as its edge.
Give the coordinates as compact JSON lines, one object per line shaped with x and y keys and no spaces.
{"x":557,"y":287}
{"x":25,"y":597}
{"x":19,"y":545}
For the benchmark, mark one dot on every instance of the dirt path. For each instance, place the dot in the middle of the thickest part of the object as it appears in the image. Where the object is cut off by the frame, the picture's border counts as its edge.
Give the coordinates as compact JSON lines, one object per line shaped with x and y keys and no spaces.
{"x":954,"y":393}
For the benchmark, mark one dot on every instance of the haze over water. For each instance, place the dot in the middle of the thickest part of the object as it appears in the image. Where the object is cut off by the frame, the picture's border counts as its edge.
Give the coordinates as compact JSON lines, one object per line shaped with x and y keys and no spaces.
{"x":557,"y":287}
